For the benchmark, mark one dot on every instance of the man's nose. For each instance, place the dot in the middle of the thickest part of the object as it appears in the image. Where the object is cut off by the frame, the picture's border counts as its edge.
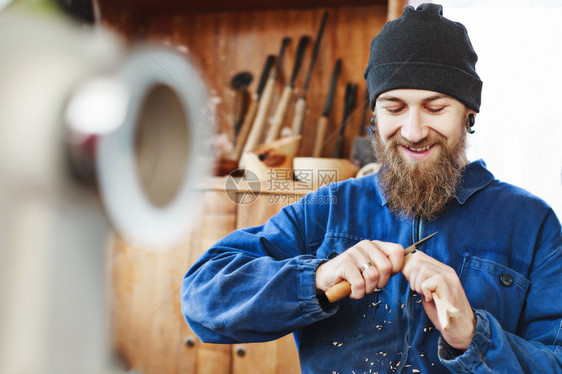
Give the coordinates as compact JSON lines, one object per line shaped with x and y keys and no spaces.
{"x":413,"y":127}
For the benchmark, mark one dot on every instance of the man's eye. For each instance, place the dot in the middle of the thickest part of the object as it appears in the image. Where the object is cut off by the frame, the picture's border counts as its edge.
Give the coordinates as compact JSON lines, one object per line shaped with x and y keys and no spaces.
{"x":394,"y":109}
{"x":434,"y":110}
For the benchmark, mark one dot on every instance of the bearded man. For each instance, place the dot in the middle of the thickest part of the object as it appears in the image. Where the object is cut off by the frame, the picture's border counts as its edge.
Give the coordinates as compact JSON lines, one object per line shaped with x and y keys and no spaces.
{"x":496,"y":260}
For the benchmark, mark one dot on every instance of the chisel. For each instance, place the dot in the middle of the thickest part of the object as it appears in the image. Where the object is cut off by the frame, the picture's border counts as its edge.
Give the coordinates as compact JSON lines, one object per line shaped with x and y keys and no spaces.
{"x":323,"y":120}
{"x":350,"y":93}
{"x":252,"y":109}
{"x":279,"y":115}
{"x":257,"y":127}
{"x":300,"y":106}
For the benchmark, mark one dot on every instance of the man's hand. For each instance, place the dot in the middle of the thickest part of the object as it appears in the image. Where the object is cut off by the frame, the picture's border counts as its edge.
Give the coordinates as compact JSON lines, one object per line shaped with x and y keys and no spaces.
{"x":387,"y":259}
{"x":427,"y":276}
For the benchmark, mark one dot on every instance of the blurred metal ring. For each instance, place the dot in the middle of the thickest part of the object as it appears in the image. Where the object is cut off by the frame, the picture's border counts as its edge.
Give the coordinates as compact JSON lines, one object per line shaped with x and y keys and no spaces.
{"x":365,"y":266}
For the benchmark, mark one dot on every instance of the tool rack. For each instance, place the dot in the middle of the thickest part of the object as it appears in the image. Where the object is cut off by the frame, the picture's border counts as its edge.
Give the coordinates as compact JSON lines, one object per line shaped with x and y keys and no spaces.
{"x":221,"y":39}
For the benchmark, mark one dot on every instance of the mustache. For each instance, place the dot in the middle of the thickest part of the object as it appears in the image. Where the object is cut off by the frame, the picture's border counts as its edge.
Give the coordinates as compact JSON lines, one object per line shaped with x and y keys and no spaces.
{"x":432,"y":138}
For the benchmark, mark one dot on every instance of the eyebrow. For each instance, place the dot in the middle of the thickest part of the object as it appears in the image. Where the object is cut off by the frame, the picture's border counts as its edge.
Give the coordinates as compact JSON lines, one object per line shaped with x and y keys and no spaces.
{"x":397,"y":99}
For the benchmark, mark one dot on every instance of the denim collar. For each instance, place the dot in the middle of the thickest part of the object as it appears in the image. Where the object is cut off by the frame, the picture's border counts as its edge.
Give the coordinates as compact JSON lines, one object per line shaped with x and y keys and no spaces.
{"x":475,"y":177}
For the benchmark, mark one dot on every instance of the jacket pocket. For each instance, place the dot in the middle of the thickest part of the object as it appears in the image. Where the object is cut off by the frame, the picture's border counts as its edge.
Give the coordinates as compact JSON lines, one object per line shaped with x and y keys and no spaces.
{"x":495,"y":288}
{"x":354,"y":318}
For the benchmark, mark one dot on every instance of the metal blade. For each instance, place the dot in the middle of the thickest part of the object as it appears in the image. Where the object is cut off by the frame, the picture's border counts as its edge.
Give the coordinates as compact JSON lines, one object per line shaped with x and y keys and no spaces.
{"x":315,"y":51}
{"x":418,"y":244}
{"x":265,"y":74}
{"x":363,"y":124}
{"x":332,"y":89}
{"x":349,"y":102}
{"x":303,"y":43}
{"x":286,"y":41}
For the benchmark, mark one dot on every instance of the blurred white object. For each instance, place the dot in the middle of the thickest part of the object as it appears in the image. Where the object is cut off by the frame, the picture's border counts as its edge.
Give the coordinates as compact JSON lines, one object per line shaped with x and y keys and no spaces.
{"x":148,"y":166}
{"x":53,"y":231}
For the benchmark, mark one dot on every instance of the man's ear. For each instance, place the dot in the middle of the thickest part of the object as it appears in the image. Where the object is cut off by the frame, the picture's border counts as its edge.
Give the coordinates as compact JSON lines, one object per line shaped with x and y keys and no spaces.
{"x":471,"y":119}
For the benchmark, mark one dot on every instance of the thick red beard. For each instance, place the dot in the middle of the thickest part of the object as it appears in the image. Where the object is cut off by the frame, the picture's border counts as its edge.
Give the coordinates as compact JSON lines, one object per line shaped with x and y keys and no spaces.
{"x":419,"y":189}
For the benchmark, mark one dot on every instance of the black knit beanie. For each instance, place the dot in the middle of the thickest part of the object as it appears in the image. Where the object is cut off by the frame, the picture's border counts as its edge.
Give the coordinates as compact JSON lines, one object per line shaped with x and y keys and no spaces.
{"x":424,"y":50}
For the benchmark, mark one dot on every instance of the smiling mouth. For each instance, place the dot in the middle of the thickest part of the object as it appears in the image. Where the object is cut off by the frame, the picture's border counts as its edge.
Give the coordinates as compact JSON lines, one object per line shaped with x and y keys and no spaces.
{"x":419,"y":149}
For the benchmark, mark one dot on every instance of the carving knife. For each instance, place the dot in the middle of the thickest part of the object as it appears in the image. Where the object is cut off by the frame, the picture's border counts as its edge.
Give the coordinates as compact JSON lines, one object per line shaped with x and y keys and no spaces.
{"x":323,"y":120}
{"x":350,"y":93}
{"x":300,"y":106}
{"x":283,"y":104}
{"x":257,"y":128}
{"x":252,"y":109}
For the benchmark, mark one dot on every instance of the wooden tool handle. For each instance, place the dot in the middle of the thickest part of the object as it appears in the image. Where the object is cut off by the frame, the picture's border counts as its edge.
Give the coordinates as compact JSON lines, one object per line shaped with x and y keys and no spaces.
{"x":279,"y":115}
{"x":320,"y":135}
{"x":245,"y":130}
{"x":259,"y":123}
{"x":239,"y":106}
{"x":338,"y":291}
{"x":298,"y":119}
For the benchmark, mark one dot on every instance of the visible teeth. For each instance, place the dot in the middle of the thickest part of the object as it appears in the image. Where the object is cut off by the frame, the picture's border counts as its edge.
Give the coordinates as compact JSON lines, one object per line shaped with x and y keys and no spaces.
{"x":423,"y":149}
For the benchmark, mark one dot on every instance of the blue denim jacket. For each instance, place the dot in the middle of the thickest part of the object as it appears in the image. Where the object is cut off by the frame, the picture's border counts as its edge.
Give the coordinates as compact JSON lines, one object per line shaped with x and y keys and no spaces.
{"x":258,"y":284}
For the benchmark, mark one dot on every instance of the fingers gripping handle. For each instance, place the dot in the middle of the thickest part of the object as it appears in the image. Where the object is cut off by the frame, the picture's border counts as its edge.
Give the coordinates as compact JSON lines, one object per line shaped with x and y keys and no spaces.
{"x":445,"y":310}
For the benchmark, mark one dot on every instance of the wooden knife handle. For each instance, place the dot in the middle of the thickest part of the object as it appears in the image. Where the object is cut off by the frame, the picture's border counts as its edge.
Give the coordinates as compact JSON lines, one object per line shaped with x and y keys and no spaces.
{"x":245,"y":130}
{"x":320,"y":136}
{"x":259,"y":123}
{"x":338,"y":291}
{"x":298,"y":119}
{"x":279,"y":115}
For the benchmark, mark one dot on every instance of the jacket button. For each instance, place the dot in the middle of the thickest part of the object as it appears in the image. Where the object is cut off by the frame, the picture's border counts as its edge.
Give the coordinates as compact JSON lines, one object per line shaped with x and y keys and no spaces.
{"x":507,"y":280}
{"x":332,"y":255}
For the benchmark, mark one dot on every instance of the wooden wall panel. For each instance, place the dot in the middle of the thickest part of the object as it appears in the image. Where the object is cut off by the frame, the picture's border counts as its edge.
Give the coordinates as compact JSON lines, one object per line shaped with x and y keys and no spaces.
{"x":148,"y":327}
{"x":225,"y":43}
